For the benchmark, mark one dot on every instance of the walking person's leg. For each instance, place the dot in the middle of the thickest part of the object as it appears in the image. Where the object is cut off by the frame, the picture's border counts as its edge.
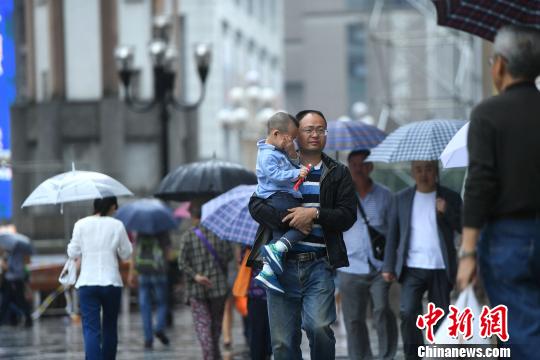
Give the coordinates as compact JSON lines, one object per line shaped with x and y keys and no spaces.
{"x":20,"y":301}
{"x":413,"y":287}
{"x":145,"y":307}
{"x":202,"y":322}
{"x":90,"y":306}
{"x":217,"y":308}
{"x":509,"y":261}
{"x":285,"y":315}
{"x":111,"y":300}
{"x":319,"y":307}
{"x":383,"y":317}
{"x":354,"y":291}
{"x":161,"y":292}
{"x":260,"y":347}
{"x":439,"y":292}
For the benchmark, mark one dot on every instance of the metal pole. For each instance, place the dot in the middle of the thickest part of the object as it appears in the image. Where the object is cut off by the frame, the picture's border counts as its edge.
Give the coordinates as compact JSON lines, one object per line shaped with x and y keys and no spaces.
{"x":164,"y":122}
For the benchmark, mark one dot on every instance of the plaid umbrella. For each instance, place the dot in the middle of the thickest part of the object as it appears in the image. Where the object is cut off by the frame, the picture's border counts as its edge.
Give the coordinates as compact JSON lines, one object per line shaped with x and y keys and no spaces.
{"x":484,"y":17}
{"x":351,"y":135}
{"x":421,"y":140}
{"x":228,"y":216}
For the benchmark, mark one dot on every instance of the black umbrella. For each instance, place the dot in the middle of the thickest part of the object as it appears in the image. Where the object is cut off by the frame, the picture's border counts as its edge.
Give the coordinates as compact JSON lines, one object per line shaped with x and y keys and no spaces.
{"x":203,"y":179}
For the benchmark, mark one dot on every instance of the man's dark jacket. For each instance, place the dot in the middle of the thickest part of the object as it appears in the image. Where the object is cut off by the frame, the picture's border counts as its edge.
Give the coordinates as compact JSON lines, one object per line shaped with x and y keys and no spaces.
{"x":337,"y":213}
{"x":399,"y":230}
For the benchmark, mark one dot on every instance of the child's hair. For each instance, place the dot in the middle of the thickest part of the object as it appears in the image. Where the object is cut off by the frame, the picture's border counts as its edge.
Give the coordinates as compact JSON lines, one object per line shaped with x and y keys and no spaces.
{"x":102,"y":206}
{"x":280,"y":121}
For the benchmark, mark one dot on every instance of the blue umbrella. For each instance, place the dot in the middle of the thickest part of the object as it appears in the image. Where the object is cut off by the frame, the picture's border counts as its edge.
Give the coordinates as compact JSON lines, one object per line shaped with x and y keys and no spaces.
{"x":147,"y":216}
{"x":421,"y":140}
{"x":352,"y":135}
{"x":14,"y":242}
{"x":228,"y":216}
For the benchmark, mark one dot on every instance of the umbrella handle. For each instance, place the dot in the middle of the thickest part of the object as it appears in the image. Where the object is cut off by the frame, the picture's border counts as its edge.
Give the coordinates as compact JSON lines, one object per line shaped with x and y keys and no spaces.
{"x":301,"y":180}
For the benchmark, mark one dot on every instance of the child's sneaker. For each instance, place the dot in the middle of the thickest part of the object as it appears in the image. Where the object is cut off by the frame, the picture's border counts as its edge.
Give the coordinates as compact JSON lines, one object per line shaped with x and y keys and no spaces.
{"x":274,"y":258}
{"x":269,"y":281}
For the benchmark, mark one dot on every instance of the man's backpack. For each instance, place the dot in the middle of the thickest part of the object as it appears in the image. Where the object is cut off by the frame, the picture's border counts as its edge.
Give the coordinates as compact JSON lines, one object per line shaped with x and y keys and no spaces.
{"x":150,"y":257}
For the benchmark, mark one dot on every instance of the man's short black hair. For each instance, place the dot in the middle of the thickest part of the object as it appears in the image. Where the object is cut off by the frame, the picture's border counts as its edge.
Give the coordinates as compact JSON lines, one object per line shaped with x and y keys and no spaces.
{"x":303,"y":113}
{"x":365,"y":152}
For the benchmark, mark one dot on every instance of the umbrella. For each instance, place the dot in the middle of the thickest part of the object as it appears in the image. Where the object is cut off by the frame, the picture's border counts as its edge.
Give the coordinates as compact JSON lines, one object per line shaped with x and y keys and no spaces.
{"x":455,"y":153}
{"x":203,"y":179}
{"x":352,"y":135}
{"x":147,"y":216}
{"x":14,"y":241}
{"x":75,"y":185}
{"x":485,"y":17}
{"x":421,"y":140}
{"x":182,"y":211}
{"x":228,"y":216}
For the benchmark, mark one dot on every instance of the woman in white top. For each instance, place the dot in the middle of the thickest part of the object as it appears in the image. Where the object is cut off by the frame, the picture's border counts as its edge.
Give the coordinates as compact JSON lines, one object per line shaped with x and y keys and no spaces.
{"x":99,"y":241}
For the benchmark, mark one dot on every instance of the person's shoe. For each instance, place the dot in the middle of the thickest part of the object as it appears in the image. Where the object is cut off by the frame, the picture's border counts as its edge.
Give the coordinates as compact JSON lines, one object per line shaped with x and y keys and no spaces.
{"x":270,"y":282}
{"x":162,"y":337}
{"x":148,"y":345}
{"x":274,"y":258}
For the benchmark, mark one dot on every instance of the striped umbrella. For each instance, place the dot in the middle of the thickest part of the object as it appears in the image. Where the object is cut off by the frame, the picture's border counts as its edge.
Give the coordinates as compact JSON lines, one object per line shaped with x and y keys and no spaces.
{"x":484,"y":17}
{"x":352,"y":135}
{"x":228,"y":216}
{"x":421,"y":140}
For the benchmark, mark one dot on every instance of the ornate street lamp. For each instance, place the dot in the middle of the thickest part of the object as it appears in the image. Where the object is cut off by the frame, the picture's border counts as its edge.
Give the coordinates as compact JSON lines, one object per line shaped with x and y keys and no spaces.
{"x":163,"y":57}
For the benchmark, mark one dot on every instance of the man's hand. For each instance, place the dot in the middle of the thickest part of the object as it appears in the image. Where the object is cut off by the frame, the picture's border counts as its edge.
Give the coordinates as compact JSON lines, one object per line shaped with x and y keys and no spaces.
{"x":388,"y":276}
{"x":203,"y":280}
{"x":441,"y":205}
{"x":132,"y":280}
{"x":466,"y":272}
{"x":301,"y":219}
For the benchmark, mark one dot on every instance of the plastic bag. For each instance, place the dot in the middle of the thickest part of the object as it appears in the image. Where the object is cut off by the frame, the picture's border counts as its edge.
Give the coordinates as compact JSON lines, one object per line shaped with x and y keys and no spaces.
{"x":467,"y":298}
{"x":68,"y":276}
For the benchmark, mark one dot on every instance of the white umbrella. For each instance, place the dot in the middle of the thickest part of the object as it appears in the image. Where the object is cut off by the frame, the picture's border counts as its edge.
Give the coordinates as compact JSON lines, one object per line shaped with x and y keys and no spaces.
{"x":75,"y":185}
{"x":455,"y":153}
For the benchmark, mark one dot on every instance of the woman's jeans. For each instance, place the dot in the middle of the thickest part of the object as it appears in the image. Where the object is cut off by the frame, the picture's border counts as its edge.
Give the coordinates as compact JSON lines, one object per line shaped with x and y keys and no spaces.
{"x":509,"y":260}
{"x":100,"y":334}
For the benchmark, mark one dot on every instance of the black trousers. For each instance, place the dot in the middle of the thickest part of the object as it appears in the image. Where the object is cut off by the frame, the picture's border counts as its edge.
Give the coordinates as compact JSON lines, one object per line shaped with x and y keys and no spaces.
{"x":258,"y":328}
{"x":414,"y":283}
{"x":13,"y":293}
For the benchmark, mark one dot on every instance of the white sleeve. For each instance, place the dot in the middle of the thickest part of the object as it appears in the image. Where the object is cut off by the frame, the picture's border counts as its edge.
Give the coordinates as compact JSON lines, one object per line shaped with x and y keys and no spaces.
{"x":74,"y":249}
{"x":124,"y":246}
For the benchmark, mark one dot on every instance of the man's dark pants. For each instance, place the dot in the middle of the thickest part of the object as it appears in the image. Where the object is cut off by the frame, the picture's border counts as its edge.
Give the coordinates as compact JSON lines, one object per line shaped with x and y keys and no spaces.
{"x":414,"y":283}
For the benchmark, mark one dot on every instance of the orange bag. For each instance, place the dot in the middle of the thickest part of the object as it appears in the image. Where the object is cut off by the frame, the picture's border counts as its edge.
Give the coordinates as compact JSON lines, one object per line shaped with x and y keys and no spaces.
{"x":240,"y":302}
{"x":243,"y":278}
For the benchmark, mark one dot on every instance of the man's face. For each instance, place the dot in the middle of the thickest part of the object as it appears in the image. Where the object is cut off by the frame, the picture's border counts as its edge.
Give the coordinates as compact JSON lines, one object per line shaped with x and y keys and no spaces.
{"x":312,"y":133}
{"x":360,"y":170}
{"x":425,"y":175}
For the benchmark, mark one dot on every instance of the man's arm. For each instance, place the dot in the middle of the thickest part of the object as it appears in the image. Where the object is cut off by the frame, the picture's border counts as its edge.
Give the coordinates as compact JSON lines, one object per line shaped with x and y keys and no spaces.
{"x":343,"y":215}
{"x":265,"y":214}
{"x":392,"y":241}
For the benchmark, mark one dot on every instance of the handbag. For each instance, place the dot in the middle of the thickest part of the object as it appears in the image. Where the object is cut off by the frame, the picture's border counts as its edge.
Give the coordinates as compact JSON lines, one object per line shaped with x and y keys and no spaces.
{"x":243,"y":278}
{"x":378,"y":240}
{"x":68,"y":276}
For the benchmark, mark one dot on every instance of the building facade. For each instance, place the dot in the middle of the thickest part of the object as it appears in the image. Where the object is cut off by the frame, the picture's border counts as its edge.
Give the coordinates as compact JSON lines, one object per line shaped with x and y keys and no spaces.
{"x":69,"y":104}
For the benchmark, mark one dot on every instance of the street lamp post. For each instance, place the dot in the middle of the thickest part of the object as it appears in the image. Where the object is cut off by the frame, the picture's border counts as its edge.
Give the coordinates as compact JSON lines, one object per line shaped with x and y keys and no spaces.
{"x":163,"y":56}
{"x":244,"y":118}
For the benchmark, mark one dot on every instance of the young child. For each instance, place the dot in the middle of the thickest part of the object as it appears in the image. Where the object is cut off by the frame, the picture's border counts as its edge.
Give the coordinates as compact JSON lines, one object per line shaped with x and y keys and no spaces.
{"x":276,"y":175}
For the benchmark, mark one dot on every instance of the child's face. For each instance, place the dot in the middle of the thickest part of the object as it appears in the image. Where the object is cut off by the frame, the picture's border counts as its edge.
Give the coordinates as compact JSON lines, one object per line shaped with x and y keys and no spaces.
{"x":281,"y":139}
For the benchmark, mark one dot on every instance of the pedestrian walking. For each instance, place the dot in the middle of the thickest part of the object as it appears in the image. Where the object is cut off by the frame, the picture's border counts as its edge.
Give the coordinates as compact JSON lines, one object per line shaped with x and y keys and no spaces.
{"x":150,"y":264}
{"x":420,"y":250}
{"x":502,"y":193}
{"x":362,"y":281}
{"x":203,"y":259}
{"x":99,"y":240}
{"x":328,"y":208}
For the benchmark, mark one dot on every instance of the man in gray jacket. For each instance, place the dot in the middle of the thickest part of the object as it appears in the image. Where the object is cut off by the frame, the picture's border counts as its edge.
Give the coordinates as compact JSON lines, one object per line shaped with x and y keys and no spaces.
{"x":420,"y":250}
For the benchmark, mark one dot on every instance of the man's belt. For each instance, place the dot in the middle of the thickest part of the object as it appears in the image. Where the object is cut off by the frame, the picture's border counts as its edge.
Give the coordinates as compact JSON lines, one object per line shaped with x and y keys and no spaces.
{"x":305,"y":256}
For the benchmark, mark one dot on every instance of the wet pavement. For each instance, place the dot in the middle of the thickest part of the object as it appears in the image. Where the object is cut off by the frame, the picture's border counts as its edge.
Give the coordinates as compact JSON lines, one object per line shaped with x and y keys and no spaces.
{"x":60,"y":338}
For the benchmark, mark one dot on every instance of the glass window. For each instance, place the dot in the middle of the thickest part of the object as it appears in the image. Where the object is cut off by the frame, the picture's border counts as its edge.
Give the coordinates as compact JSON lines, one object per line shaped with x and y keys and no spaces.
{"x":356,"y":63}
